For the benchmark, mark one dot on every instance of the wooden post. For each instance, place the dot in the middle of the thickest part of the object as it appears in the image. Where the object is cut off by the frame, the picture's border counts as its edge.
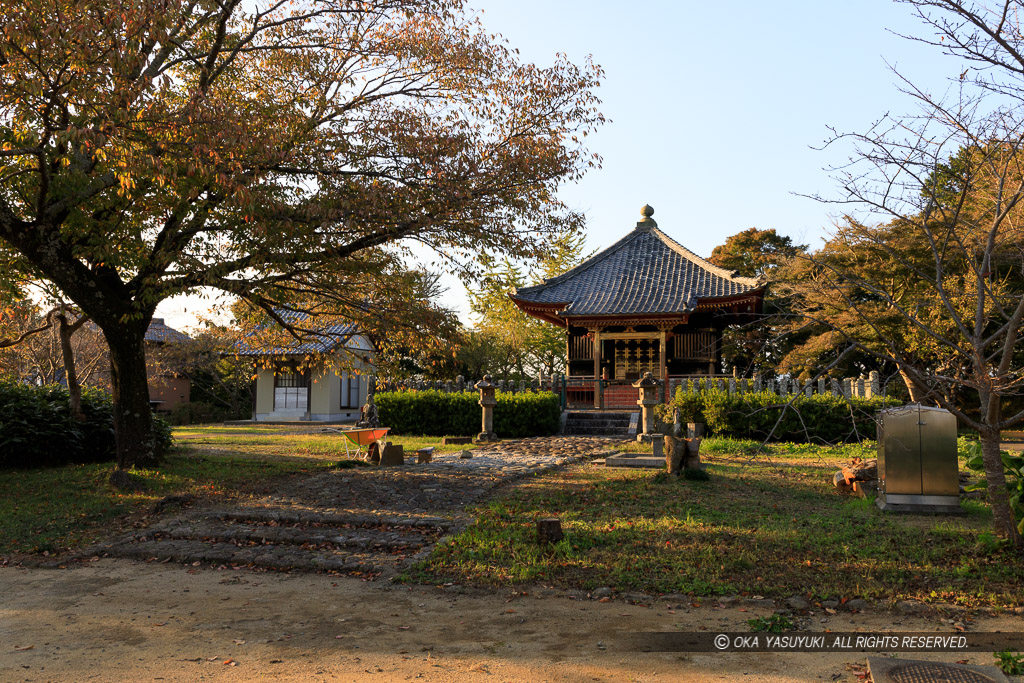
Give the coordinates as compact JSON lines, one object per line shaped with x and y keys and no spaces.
{"x":549,"y":530}
{"x":597,"y":368}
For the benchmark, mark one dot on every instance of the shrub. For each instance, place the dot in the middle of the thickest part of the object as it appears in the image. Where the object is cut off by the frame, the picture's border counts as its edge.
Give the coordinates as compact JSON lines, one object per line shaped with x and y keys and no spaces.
{"x":437,"y":413}
{"x":821,"y":418}
{"x":197,"y":412}
{"x":37,"y":429}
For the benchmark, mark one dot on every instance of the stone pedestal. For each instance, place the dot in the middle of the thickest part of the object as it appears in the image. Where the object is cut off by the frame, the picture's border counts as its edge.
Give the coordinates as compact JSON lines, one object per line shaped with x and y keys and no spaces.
{"x":392,"y":455}
{"x":487,"y":403}
{"x":648,"y":387}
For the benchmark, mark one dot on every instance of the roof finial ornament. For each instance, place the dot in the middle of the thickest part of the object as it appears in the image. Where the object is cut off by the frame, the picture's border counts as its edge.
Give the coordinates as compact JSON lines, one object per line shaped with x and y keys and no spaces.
{"x":647,"y":221}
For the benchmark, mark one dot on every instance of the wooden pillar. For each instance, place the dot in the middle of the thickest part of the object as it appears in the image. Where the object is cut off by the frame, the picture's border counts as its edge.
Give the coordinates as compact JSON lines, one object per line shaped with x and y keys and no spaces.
{"x":568,"y":339}
{"x":663,"y":363}
{"x":597,"y":368}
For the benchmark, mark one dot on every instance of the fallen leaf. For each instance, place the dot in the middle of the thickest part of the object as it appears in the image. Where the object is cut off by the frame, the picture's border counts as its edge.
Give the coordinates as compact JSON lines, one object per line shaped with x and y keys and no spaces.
{"x":403,"y":628}
{"x":24,"y":647}
{"x":238,"y":641}
{"x":829,"y":610}
{"x":230,"y":662}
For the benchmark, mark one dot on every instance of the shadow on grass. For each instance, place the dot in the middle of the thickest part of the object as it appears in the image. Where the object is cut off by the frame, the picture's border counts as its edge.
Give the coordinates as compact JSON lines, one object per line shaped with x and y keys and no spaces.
{"x":747,"y":530}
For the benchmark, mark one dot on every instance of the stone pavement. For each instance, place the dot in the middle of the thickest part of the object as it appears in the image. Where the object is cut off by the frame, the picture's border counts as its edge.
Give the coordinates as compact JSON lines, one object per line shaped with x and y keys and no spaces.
{"x":367,"y":520}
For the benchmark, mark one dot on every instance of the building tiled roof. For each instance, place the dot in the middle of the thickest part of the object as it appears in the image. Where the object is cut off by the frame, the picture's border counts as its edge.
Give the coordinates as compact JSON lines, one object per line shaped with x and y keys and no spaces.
{"x":160,"y":333}
{"x":644,"y":273}
{"x":323,"y":339}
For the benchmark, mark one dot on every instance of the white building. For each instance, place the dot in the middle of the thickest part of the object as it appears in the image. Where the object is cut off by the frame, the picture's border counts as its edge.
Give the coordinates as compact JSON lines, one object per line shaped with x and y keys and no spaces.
{"x":323,"y":378}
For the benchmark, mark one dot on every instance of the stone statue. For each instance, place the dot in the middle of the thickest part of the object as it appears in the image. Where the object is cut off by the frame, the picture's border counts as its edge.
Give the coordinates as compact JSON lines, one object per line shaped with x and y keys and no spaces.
{"x":370,"y":419}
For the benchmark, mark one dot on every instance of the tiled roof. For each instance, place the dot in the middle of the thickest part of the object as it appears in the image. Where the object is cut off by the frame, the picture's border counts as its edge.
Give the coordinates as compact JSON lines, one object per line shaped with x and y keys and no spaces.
{"x":323,"y":339}
{"x":160,"y":333}
{"x":646,"y":272}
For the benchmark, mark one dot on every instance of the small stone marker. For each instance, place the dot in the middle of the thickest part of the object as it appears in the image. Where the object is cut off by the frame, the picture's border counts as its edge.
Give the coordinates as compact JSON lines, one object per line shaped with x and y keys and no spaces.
{"x":549,"y":530}
{"x":634,"y":423}
{"x":424,"y":455}
{"x":657,"y":444}
{"x":392,"y":455}
{"x":466,"y":455}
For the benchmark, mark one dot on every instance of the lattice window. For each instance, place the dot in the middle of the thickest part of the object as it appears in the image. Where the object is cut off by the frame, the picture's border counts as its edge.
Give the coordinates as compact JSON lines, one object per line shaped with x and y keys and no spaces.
{"x":581,"y":347}
{"x":694,"y":346}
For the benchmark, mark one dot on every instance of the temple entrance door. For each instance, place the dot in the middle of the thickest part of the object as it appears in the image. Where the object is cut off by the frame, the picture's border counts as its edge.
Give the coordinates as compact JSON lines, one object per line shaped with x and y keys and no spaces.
{"x":631,"y":358}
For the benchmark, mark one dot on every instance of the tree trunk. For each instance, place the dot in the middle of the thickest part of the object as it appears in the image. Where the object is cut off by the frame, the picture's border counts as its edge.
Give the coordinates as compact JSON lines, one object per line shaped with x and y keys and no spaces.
{"x":1002,"y":514}
{"x":133,"y":420}
{"x":65,"y":330}
{"x":915,"y":391}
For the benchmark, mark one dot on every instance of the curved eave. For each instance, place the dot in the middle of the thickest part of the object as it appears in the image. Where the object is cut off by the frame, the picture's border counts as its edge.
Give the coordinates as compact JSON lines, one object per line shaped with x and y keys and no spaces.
{"x":548,"y":312}
{"x":751,"y":301}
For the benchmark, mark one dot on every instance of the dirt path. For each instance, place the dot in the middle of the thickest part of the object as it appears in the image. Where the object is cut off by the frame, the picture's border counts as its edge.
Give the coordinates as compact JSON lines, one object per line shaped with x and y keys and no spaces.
{"x":119,"y":620}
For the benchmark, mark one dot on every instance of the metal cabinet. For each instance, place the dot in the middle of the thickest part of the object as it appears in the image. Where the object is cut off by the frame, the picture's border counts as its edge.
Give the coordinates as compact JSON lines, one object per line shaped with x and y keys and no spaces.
{"x":917,"y":460}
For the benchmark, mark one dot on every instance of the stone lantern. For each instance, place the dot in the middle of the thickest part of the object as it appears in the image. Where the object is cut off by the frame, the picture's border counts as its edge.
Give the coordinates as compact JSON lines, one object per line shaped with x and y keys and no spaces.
{"x":487,"y":403}
{"x":648,"y":387}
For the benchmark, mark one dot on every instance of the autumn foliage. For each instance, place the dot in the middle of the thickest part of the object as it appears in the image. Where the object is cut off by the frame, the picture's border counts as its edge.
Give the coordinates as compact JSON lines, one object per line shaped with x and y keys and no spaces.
{"x":288,"y":154}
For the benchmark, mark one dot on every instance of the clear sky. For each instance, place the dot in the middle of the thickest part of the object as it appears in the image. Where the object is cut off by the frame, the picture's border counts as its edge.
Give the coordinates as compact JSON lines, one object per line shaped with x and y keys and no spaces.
{"x":715,"y":108}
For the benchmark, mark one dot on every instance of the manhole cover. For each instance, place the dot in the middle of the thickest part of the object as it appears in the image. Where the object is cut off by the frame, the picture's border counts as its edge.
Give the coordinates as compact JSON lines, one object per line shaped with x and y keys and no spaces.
{"x":935,"y":673}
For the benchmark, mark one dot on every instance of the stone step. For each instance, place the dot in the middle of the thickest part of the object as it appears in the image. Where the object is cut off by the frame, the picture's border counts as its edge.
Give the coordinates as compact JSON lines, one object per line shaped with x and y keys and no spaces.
{"x":598,"y":431}
{"x":297,"y":536}
{"x":309,"y":517}
{"x":268,"y":556}
{"x":598,"y":423}
{"x":599,"y":415}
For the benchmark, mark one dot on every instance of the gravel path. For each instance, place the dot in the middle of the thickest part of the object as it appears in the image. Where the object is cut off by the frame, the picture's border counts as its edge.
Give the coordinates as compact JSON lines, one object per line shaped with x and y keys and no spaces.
{"x":366,"y":520}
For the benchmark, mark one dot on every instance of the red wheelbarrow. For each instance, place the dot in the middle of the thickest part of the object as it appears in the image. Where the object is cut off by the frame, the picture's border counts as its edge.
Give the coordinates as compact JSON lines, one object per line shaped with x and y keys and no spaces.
{"x":360,"y":439}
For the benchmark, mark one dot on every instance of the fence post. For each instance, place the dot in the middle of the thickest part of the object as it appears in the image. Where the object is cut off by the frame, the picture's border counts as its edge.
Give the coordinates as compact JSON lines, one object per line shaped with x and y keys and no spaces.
{"x":732,"y":386}
{"x":860,"y":387}
{"x":873,"y":384}
{"x":808,"y":388}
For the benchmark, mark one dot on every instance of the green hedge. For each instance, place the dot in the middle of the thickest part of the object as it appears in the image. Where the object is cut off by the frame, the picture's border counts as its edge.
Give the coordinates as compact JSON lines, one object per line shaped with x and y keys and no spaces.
{"x":821,"y":418}
{"x":436,"y":413}
{"x":37,"y":429}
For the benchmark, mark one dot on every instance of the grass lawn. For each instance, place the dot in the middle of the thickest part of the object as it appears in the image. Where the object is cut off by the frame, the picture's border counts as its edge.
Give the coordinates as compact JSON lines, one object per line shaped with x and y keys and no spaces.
{"x":769,"y":525}
{"x":55,"y":509}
